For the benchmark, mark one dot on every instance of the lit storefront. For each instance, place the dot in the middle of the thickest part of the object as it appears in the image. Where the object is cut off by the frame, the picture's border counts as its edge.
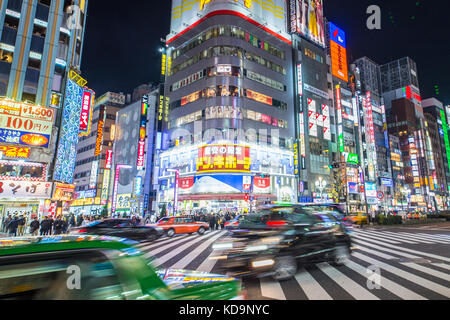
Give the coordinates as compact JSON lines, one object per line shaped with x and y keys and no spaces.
{"x":226,"y":177}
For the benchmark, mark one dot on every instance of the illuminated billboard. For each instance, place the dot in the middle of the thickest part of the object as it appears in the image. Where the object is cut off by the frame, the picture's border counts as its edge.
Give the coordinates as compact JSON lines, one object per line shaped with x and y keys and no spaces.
{"x":226,"y":157}
{"x":306,"y":19}
{"x":86,"y":113}
{"x":70,"y":127}
{"x":338,"y":46}
{"x":269,"y":15}
{"x":100,"y":128}
{"x":142,"y":133}
{"x":15,"y":152}
{"x":25,"y":124}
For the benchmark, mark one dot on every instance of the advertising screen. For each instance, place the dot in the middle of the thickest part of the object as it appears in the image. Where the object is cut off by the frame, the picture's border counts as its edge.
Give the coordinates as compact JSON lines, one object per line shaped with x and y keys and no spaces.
{"x":269,"y":15}
{"x":219,"y":158}
{"x":338,"y":46}
{"x":306,"y":19}
{"x":25,"y":189}
{"x":25,"y":124}
{"x":15,"y":152}
{"x":86,"y":113}
{"x":70,"y":127}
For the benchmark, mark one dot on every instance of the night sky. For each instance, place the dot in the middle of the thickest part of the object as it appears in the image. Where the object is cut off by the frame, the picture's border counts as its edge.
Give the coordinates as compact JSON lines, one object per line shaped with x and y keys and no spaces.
{"x":121,"y":43}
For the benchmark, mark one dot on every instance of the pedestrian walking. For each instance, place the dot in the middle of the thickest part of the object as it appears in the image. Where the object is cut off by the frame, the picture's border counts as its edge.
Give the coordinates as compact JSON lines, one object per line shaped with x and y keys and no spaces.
{"x":12,"y":227}
{"x":34,"y":227}
{"x":21,"y":226}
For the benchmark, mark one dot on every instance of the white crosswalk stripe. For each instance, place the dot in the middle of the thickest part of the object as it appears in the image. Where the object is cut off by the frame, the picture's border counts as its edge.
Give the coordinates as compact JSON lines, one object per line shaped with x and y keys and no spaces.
{"x":160,"y":261}
{"x":312,"y":289}
{"x":405,"y":237}
{"x":436,"y":237}
{"x":415,"y":268}
{"x":382,"y":236}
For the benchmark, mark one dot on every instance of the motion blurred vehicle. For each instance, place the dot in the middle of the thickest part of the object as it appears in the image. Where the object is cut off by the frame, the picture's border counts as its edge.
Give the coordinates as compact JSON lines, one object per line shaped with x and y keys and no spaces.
{"x":275,"y":239}
{"x":181,"y":225}
{"x":108,"y":269}
{"x":358,"y":218}
{"x":123,"y":228}
{"x":234,"y":223}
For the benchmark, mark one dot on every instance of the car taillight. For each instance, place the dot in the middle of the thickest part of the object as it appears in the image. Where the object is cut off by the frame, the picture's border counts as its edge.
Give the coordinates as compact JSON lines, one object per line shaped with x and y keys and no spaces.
{"x":82,"y":231}
{"x":276,"y":223}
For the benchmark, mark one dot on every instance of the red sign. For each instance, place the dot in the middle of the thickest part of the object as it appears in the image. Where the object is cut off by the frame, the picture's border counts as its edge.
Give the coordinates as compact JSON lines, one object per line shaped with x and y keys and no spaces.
{"x":109,"y":154}
{"x":226,"y":157}
{"x":15,"y":152}
{"x":86,"y":112}
{"x":186,"y":183}
{"x":141,"y":154}
{"x":262,"y":183}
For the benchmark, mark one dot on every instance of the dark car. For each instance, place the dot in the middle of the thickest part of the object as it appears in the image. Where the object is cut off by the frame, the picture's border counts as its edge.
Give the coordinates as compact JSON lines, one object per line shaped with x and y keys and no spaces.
{"x":275,"y":239}
{"x":123,"y":228}
{"x":234,"y":223}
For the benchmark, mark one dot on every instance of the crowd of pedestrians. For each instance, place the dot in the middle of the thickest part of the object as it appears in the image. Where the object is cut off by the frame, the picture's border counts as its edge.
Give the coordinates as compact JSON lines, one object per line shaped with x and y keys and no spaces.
{"x":216,"y":220}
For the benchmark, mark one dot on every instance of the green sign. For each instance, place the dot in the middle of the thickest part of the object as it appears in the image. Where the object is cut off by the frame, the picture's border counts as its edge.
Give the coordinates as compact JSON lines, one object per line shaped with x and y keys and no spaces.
{"x":341,"y":143}
{"x":446,"y":139}
{"x":353,"y":158}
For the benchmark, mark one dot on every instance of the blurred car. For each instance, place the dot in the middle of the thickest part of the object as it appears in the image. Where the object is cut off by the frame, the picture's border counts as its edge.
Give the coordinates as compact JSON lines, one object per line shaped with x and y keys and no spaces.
{"x":272,"y":241}
{"x":181,"y":225}
{"x":99,"y":268}
{"x":234,"y":223}
{"x":358,"y":218}
{"x":123,"y":228}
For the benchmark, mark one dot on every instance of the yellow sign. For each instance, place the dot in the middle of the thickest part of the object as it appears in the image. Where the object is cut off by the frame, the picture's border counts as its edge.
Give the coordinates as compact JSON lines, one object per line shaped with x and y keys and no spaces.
{"x":163,"y":67}
{"x":247,"y":3}
{"x":77,"y":78}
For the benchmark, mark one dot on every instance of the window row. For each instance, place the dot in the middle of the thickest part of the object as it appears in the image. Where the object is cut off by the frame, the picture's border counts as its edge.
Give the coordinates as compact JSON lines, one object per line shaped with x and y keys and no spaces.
{"x":229,"y":31}
{"x":228,"y":51}
{"x":228,"y":91}
{"x":228,"y":112}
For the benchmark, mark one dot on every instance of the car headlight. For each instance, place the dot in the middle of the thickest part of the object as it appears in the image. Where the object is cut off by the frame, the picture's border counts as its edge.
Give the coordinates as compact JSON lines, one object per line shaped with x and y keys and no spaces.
{"x":159,"y":229}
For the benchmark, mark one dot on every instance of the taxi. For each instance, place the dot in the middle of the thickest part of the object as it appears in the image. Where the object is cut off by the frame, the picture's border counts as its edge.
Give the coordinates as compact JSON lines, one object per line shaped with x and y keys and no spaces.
{"x":359,"y":218}
{"x":181,"y":225}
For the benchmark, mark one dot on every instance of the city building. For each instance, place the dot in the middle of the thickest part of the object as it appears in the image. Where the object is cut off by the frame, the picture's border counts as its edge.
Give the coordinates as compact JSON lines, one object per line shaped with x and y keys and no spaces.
{"x":94,"y":156}
{"x":228,"y":108}
{"x":131,"y":184}
{"x":40,"y":54}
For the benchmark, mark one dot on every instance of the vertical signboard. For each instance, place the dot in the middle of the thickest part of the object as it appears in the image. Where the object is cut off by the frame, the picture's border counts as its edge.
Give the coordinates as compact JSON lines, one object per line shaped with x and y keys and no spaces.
{"x":142,"y":133}
{"x":338,"y":46}
{"x":94,"y":174}
{"x":326,"y":122}
{"x":339,"y":117}
{"x":108,"y":161}
{"x":446,"y":139}
{"x":115,"y":190}
{"x":312,"y":113}
{"x":69,"y":137}
{"x":105,"y":186}
{"x":86,"y":113}
{"x":100,"y":127}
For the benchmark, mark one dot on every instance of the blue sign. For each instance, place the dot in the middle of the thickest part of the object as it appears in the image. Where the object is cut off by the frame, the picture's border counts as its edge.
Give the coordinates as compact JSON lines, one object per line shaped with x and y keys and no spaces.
{"x":353,"y":187}
{"x":17,"y":137}
{"x":387,"y":182}
{"x":220,"y":184}
{"x":138,"y":186}
{"x":338,"y":35}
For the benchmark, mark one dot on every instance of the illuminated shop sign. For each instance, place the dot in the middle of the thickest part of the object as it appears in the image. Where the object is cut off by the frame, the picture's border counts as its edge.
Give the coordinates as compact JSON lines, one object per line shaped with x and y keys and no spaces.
{"x":25,"y":189}
{"x":219,"y":158}
{"x":387,"y":182}
{"x":15,"y":152}
{"x":142,"y":133}
{"x":261,"y":185}
{"x":23,"y":171}
{"x":93,"y":177}
{"x":306,"y":19}
{"x":25,"y":124}
{"x":296,"y":160}
{"x":105,"y":186}
{"x":86,"y":113}
{"x":69,"y":137}
{"x":353,"y":158}
{"x":55,"y":100}
{"x":338,"y":52}
{"x":108,"y":162}
{"x":138,"y":186}
{"x":163,"y":64}
{"x":75,"y":77}
{"x":63,"y":192}
{"x":371,"y":190}
{"x":300,"y":79}
{"x":339,"y":116}
{"x":100,"y":128}
{"x":259,"y":97}
{"x":446,"y":139}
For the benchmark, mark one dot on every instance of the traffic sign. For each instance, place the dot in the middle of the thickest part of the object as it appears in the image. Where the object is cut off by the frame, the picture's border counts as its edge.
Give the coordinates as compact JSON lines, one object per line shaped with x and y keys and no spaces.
{"x":380,"y":195}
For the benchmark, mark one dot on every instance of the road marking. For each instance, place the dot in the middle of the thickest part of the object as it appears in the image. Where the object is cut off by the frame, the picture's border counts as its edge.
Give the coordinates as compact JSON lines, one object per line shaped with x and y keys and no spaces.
{"x":423,"y":238}
{"x":436,"y":236}
{"x":383,"y":235}
{"x":434,"y":273}
{"x":442,"y":265}
{"x":168,"y":246}
{"x":208,"y":264}
{"x":402,"y":237}
{"x":159,"y":261}
{"x":271,"y":289}
{"x":398,"y":290}
{"x":434,"y":256}
{"x":194,"y":254}
{"x":147,"y":246}
{"x":354,"y":289}
{"x":385,"y":249}
{"x":311,"y":287}
{"x":373,"y":237}
{"x":444,"y":291}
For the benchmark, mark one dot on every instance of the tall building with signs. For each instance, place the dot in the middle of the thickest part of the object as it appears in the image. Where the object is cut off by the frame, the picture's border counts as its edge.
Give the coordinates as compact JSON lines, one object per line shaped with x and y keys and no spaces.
{"x":227,"y":107}
{"x":92,"y":173}
{"x":40,"y":42}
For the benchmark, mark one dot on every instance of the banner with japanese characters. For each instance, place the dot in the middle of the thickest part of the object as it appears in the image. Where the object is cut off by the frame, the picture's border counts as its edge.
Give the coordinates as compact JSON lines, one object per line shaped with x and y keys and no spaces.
{"x":224,"y":158}
{"x":24,"y":189}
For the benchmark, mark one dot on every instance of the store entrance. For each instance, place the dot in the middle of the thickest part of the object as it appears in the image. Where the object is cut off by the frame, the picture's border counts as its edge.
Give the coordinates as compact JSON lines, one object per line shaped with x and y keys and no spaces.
{"x":27,"y":210}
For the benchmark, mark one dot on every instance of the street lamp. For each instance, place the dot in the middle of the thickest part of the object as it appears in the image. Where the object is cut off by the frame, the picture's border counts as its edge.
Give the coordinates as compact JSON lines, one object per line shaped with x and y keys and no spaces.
{"x":116,"y":185}
{"x":175,"y":196}
{"x":321,"y":185}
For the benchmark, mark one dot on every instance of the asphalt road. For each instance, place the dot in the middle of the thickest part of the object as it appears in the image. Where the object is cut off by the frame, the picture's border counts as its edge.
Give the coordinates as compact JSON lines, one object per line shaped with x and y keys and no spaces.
{"x":414,"y":264}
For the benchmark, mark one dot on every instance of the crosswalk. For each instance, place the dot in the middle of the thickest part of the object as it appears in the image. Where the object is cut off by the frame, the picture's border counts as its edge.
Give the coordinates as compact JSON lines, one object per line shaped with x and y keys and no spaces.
{"x":408,"y":269}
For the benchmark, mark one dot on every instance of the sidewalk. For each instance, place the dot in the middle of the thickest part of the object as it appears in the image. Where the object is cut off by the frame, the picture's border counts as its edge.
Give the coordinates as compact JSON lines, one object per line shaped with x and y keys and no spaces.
{"x":412,"y":224}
